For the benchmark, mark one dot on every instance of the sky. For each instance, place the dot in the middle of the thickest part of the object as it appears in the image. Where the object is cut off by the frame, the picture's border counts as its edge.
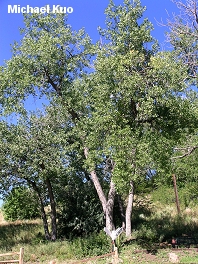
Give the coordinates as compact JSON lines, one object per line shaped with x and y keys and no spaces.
{"x":86,"y":13}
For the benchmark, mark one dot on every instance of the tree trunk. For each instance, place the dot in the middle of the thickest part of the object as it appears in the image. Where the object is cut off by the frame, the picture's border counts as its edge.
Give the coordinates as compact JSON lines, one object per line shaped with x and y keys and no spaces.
{"x":176,"y":194}
{"x":109,"y":207}
{"x":129,"y":210}
{"x":44,"y":218}
{"x":53,"y":210}
{"x":99,"y":190}
{"x":43,"y":214}
{"x":97,"y":185}
{"x":121,"y":207}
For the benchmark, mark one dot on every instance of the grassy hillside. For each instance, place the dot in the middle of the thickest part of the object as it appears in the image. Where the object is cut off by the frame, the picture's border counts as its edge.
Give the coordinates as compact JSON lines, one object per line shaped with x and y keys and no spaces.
{"x":154,"y":224}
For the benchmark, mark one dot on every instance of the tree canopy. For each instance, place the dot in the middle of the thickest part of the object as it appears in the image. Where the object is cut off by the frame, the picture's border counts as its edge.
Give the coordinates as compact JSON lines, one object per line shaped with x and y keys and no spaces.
{"x":116,"y":111}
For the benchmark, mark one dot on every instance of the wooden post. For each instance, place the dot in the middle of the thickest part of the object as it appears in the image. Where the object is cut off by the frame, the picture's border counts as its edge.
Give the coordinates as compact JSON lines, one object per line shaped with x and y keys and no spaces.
{"x":176,"y":194}
{"x":115,"y":256}
{"x":116,"y":259}
{"x":21,"y":255}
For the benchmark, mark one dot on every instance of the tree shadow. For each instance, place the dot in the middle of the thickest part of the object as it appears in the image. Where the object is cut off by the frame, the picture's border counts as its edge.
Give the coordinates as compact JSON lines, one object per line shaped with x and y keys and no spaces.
{"x":19,"y":233}
{"x":152,"y":228}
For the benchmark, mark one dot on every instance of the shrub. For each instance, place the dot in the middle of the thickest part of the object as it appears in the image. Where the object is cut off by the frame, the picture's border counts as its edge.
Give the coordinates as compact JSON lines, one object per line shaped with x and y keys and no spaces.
{"x":21,"y":203}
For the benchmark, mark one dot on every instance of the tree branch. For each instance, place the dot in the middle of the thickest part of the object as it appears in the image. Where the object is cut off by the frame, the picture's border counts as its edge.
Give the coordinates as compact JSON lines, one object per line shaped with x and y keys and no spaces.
{"x":189,"y":150}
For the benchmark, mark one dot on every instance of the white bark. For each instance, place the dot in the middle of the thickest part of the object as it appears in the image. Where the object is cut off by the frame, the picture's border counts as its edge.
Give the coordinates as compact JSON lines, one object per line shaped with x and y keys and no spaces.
{"x":99,"y":190}
{"x":97,"y":185}
{"x":109,"y":207}
{"x":129,"y":210}
{"x":107,"y":204}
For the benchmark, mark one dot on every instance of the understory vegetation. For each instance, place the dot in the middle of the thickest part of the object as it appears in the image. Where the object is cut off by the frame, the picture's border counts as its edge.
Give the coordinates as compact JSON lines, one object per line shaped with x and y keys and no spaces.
{"x":155,"y":222}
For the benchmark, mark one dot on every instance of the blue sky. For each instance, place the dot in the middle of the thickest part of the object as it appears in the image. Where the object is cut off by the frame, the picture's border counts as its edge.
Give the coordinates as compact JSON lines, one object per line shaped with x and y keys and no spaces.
{"x":86,"y":13}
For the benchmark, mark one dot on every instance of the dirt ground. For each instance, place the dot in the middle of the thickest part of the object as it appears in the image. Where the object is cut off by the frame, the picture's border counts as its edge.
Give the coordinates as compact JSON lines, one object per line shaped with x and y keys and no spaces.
{"x":184,"y":256}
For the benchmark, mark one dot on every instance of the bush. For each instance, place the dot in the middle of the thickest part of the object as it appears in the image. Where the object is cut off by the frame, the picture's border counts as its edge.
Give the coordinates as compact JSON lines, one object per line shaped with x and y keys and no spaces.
{"x":93,"y":245}
{"x":21,"y":203}
{"x":80,"y":214}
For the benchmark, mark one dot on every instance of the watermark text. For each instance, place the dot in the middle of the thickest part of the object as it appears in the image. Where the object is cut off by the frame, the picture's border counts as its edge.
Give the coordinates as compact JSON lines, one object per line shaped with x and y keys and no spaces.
{"x":17,"y":9}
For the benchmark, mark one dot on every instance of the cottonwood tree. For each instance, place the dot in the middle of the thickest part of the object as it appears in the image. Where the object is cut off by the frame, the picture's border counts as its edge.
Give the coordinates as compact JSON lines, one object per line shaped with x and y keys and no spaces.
{"x":137,"y":103}
{"x":183,"y":34}
{"x":55,"y":70}
{"x":48,"y":59}
{"x":34,"y":156}
{"x":41,"y":153}
{"x":132,"y":98}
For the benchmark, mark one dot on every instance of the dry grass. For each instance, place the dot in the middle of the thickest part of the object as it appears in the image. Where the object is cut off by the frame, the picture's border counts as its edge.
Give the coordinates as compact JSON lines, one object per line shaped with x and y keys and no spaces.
{"x":2,"y":221}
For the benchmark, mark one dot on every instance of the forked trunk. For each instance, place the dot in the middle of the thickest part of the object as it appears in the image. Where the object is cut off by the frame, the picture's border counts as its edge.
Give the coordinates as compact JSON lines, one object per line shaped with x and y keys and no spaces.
{"x":107,"y":205}
{"x":129,"y":210}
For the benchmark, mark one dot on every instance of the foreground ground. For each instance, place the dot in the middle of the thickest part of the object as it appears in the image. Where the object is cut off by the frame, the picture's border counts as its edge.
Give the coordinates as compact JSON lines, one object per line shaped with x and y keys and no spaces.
{"x":28,"y":234}
{"x":127,"y":257}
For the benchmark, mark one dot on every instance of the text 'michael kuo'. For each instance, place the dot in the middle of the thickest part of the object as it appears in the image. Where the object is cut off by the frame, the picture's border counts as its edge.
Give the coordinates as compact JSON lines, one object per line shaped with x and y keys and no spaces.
{"x":17,"y":9}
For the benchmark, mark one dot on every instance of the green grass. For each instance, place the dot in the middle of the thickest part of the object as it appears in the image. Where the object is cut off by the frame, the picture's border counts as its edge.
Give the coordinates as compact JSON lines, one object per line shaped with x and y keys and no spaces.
{"x":152,"y":224}
{"x":29,"y":234}
{"x":68,"y":251}
{"x":189,"y":259}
